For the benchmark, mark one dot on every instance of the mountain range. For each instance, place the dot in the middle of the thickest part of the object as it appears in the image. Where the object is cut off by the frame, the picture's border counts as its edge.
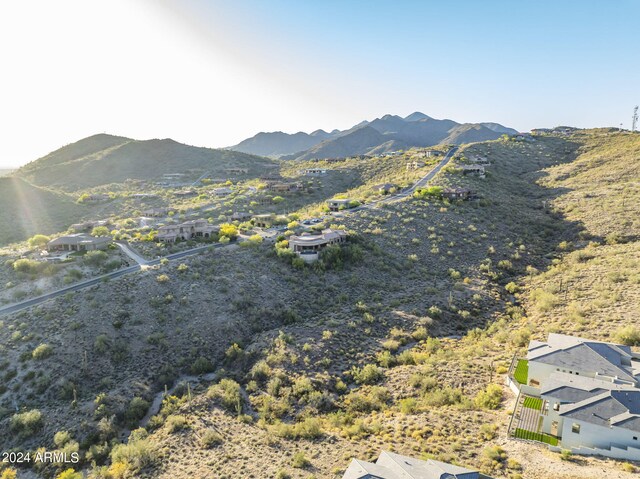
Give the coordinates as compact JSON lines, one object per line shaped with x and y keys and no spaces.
{"x":388,"y":133}
{"x":103,"y":159}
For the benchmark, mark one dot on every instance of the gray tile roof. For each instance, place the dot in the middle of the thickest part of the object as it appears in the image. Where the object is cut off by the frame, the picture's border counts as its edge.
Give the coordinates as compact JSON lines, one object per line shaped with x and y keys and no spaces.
{"x":395,"y":466}
{"x":619,"y":408}
{"x":577,"y":354}
{"x":568,"y":388}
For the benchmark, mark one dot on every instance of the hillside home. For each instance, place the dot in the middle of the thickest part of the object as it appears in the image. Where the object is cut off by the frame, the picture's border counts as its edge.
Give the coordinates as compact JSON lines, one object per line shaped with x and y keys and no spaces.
{"x":156,"y":212}
{"x":457,"y":193}
{"x":96,"y":198}
{"x":540,"y":131}
{"x":188,"y":230}
{"x":582,"y":357}
{"x":334,"y":160}
{"x":337,"y":204}
{"x":185,"y":193}
{"x":308,"y":246}
{"x":264,"y":221}
{"x":87,"y":225}
{"x":237,"y":171}
{"x":78,"y":242}
{"x":415,"y":165}
{"x":473,"y":170}
{"x":221,"y":192}
{"x":282,"y":187}
{"x":240,"y":216}
{"x":394,"y":466}
{"x":314,"y":171}
{"x":273,"y":176}
{"x":385,"y":188}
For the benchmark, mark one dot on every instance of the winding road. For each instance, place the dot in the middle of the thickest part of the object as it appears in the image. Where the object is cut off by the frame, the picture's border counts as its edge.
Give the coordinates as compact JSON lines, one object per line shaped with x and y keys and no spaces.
{"x":142,"y":262}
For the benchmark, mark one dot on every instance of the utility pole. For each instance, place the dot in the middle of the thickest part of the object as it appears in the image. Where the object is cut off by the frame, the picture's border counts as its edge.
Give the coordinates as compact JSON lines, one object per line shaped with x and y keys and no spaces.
{"x":634,"y":119}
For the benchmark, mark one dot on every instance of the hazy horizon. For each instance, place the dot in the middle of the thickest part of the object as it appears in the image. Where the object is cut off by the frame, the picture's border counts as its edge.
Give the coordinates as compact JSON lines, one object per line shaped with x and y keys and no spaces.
{"x":212,"y":73}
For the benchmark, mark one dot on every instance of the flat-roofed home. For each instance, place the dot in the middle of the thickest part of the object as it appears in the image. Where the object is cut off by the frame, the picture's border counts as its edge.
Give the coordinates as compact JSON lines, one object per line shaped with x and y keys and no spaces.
{"x":473,"y":170}
{"x":263,"y":221}
{"x":168,"y":233}
{"x":96,"y":198}
{"x":284,"y":187}
{"x":78,"y":242}
{"x":594,"y":359}
{"x":337,"y":204}
{"x":220,"y":192}
{"x":185,"y":193}
{"x":185,"y":231}
{"x":457,"y":193}
{"x":314,"y":171}
{"x":415,"y":165}
{"x":237,"y":171}
{"x":156,"y":212}
{"x":394,"y":466}
{"x":385,"y":188}
{"x":308,"y":246}
{"x":264,"y":200}
{"x":240,"y":216}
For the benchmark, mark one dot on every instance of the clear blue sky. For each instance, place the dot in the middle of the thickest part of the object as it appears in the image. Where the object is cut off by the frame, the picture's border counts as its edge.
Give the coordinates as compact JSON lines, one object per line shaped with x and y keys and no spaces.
{"x":211,"y":73}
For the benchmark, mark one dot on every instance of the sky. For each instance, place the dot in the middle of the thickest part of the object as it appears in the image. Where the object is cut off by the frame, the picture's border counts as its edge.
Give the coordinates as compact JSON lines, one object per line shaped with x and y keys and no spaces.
{"x":212,"y":72}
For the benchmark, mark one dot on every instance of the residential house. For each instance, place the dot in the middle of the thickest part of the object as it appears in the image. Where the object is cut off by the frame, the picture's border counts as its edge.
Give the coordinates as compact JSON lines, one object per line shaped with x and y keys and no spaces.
{"x":237,"y":171}
{"x":385,"y":188}
{"x":473,"y":170}
{"x":264,"y":200}
{"x":240,"y":216}
{"x":185,"y":231}
{"x":87,"y":225}
{"x":415,"y":165}
{"x":540,"y":131}
{"x":95,"y":198}
{"x":587,"y":393}
{"x":308,"y":246}
{"x":185,"y":193}
{"x":314,"y":171}
{"x":594,"y":359}
{"x":337,"y":204}
{"x":264,"y":221}
{"x":78,"y":242}
{"x":221,"y":192}
{"x":395,"y":466}
{"x":156,"y":212}
{"x":283,"y":187}
{"x":457,"y":193}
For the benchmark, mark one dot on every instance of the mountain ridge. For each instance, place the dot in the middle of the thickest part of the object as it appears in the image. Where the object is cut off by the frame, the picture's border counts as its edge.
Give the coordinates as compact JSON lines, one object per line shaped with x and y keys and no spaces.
{"x":415,"y":130}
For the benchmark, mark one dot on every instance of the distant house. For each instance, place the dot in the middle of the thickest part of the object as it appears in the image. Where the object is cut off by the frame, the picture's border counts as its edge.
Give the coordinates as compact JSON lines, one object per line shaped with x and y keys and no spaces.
{"x":237,"y":171}
{"x":264,"y":200}
{"x":156,"y":212}
{"x":415,"y":165}
{"x":394,"y":466}
{"x":473,"y":170}
{"x":457,"y":193}
{"x":95,"y":198}
{"x":314,"y":171}
{"x":240,"y":216}
{"x":283,"y":187}
{"x":221,"y":192}
{"x":541,"y":131}
{"x":427,"y":153}
{"x":385,"y":188}
{"x":338,"y":204}
{"x":308,"y":246}
{"x":263,"y":221}
{"x":185,"y":231}
{"x":78,"y":242}
{"x":334,"y":160}
{"x":87,"y":225}
{"x":185,"y":193}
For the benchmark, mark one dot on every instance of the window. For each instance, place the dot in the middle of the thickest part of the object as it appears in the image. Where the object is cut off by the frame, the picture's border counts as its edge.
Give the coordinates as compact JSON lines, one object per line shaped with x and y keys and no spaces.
{"x":556,"y":406}
{"x":575,"y":428}
{"x":635,"y":438}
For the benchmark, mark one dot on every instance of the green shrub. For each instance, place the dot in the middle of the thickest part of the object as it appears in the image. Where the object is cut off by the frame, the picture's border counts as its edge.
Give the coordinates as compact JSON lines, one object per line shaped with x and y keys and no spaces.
{"x":202,"y":366}
{"x":211,"y":439}
{"x":43,"y":351}
{"x":228,"y":393}
{"x":300,"y":461}
{"x":628,"y":335}
{"x":490,"y":398}
{"x":176,"y":423}
{"x":27,"y":423}
{"x":369,"y":374}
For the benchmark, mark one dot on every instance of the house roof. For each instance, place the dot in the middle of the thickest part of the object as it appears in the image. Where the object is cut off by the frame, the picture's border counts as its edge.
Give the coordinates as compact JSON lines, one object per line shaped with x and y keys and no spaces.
{"x":569,"y":388}
{"x":573,"y":353}
{"x":619,"y":408}
{"x":396,"y":466}
{"x":326,"y":236}
{"x":79,"y":238}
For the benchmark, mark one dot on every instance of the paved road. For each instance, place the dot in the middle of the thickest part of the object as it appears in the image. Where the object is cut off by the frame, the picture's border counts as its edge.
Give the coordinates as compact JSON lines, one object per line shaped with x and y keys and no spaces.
{"x":12,"y":308}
